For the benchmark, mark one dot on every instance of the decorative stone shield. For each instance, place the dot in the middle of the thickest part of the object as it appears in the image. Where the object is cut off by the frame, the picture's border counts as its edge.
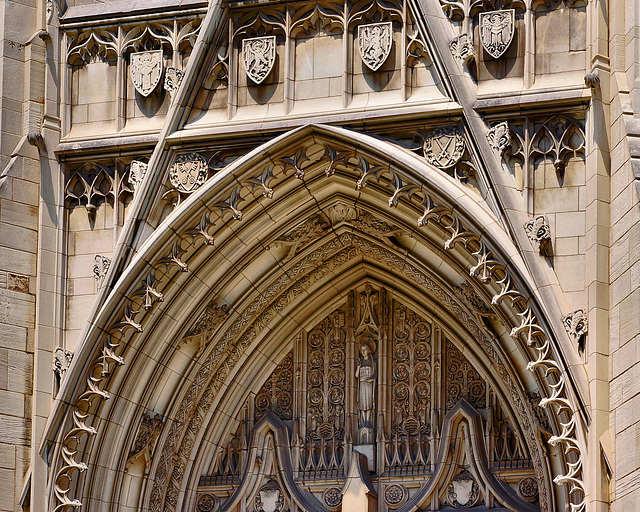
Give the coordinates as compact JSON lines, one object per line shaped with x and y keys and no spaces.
{"x":496,"y":31}
{"x":269,"y":498}
{"x":463,"y":492}
{"x":258,"y":57}
{"x":444,"y":147}
{"x":188,"y":172}
{"x":374,"y":43}
{"x":146,"y":71}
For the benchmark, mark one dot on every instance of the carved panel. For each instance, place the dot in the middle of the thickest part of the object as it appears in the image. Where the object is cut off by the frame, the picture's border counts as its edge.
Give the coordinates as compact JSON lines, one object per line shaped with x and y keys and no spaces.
{"x":462,"y":380}
{"x":326,"y":378}
{"x":276,"y":395}
{"x":411,"y":372}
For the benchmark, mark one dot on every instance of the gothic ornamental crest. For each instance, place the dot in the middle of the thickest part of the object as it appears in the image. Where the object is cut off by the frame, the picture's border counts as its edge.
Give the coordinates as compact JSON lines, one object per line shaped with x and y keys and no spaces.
{"x":258,"y":57}
{"x":374,"y":43}
{"x":188,"y":172}
{"x":496,"y":31}
{"x":146,"y":70}
{"x":444,"y":147}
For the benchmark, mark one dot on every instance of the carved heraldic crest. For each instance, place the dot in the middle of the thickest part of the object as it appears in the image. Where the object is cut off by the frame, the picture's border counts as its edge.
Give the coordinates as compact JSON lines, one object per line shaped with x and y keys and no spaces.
{"x":496,"y":31}
{"x":146,"y":71}
{"x":188,"y":172}
{"x":444,"y":147}
{"x":258,"y":57}
{"x":374,"y":43}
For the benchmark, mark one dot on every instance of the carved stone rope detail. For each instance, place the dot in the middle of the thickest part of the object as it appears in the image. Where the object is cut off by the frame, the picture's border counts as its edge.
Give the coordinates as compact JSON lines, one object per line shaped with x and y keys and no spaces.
{"x":487,"y":268}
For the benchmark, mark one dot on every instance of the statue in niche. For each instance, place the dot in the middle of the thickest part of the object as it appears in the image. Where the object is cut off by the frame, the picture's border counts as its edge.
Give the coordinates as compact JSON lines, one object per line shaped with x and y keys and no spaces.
{"x":366,"y":374}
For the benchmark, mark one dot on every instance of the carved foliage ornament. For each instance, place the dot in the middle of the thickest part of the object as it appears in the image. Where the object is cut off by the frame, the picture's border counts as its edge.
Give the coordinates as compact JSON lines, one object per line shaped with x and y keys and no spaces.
{"x":188,"y":172}
{"x":499,"y":137}
{"x":576,"y":324}
{"x":258,"y":57}
{"x":496,"y":31}
{"x":539,"y":232}
{"x":100,"y":268}
{"x":172,"y":79}
{"x":374,"y":43}
{"x":444,"y":147}
{"x":146,"y":71}
{"x":61,"y":361}
{"x":137,"y":170}
{"x":462,"y":48}
{"x":332,"y":497}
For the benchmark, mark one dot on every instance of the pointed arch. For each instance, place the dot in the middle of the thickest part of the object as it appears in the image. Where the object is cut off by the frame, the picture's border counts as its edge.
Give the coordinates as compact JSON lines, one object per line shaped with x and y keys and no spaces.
{"x":217,"y":245}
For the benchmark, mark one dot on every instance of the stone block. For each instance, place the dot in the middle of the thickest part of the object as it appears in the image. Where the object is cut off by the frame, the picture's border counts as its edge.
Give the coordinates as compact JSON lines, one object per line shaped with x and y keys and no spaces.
{"x":19,"y":214}
{"x":13,"y":337}
{"x":14,"y":431}
{"x":7,"y":484}
{"x":26,"y":192}
{"x":570,"y":224}
{"x":11,"y":403}
{"x":20,"y":372}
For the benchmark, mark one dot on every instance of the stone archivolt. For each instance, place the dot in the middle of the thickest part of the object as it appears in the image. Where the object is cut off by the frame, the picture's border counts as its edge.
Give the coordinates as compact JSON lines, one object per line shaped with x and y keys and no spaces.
{"x":459,"y":238}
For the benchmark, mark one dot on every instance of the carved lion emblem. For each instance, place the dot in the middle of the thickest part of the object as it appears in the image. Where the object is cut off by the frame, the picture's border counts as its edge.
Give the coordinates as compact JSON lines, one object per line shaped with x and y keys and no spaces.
{"x":374,"y":43}
{"x":258,"y":57}
{"x":146,"y":70}
{"x":496,"y":31}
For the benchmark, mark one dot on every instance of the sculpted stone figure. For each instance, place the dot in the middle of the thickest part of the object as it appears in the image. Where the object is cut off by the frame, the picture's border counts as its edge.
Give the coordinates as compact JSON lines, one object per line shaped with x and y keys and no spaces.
{"x":366,"y":374}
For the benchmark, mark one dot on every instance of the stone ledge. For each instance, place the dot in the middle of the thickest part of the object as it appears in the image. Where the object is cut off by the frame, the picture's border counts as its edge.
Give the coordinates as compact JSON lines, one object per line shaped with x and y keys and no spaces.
{"x":104,"y":11}
{"x":533,"y":99}
{"x":114,"y":145}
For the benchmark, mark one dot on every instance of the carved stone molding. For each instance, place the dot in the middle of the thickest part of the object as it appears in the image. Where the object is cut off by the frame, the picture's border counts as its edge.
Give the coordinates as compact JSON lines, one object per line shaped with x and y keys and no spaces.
{"x":499,"y":137}
{"x":577,"y":327}
{"x":469,"y":296}
{"x":496,"y":31}
{"x":100,"y":268}
{"x":462,"y":48}
{"x":374,"y":43}
{"x":539,"y":233}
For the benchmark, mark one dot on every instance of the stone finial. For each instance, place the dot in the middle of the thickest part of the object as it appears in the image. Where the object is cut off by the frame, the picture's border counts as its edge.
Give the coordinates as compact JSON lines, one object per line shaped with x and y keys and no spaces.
{"x":499,"y":137}
{"x":539,"y":233}
{"x":577,"y":326}
{"x":100,"y":268}
{"x":462,"y":48}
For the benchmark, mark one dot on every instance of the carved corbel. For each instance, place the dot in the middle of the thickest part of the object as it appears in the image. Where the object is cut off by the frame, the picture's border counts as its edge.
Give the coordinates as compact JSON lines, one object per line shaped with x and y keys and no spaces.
{"x":592,"y":80}
{"x":539,"y":233}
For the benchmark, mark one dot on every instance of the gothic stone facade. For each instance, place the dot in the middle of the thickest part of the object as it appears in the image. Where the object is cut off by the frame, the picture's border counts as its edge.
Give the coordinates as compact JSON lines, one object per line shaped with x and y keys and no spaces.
{"x":320,"y":255}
